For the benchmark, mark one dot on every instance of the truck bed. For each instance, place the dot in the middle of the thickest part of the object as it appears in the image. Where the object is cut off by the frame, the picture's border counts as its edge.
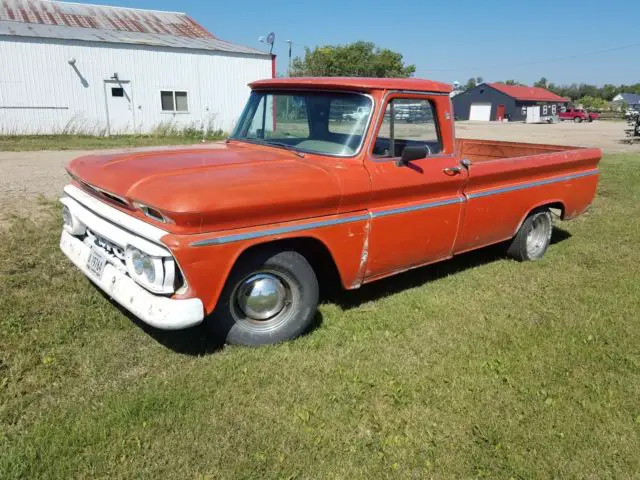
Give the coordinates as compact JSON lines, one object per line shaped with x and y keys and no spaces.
{"x":507,"y":180}
{"x":480,"y":150}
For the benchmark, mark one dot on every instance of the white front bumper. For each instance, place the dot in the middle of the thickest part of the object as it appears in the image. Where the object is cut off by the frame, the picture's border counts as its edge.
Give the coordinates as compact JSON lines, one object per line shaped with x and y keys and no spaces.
{"x":157,"y":311}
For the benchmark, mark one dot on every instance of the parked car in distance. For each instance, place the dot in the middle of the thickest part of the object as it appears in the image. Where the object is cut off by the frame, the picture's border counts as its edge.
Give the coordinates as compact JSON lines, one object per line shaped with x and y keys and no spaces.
{"x":241,"y":235}
{"x":357,"y":114}
{"x":578,"y":115}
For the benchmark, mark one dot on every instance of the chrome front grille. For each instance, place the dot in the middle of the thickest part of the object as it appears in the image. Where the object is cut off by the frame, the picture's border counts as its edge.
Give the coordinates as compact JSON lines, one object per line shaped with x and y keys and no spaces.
{"x":115,"y":252}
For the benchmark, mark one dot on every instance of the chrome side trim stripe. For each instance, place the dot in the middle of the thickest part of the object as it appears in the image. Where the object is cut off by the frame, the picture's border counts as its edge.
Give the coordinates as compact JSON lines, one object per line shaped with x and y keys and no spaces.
{"x":414,"y":208}
{"x":522,"y":186}
{"x":277,"y":231}
{"x":325,"y":223}
{"x":383,"y":213}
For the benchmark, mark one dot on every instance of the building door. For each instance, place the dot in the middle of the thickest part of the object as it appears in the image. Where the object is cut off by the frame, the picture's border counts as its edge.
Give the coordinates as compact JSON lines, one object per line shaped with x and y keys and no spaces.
{"x":119,"y":104}
{"x":533,"y":114}
{"x":500,"y":113}
{"x":480,"y":112}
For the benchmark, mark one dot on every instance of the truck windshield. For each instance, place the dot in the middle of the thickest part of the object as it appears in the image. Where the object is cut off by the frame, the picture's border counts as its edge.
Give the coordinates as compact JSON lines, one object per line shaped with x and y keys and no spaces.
{"x":329,"y":123}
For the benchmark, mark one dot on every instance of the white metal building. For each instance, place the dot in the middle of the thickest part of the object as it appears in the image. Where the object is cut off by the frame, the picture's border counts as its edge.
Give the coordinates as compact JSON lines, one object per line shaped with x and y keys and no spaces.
{"x":98,"y":69}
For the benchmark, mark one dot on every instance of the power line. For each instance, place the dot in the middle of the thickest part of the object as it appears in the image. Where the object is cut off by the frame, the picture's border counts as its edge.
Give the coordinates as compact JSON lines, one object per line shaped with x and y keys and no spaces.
{"x":535,"y":62}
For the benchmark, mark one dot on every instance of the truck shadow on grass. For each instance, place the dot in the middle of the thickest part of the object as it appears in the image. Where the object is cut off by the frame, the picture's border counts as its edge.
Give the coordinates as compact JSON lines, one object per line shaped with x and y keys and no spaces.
{"x":199,"y":340}
{"x":421,"y":275}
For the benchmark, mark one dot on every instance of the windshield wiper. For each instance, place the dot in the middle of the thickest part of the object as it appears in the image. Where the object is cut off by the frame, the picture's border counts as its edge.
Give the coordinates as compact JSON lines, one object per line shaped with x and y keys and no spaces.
{"x":287,"y":146}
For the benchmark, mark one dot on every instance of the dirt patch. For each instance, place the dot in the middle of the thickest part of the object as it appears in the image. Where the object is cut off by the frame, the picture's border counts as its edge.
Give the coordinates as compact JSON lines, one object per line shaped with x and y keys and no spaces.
{"x":28,"y":177}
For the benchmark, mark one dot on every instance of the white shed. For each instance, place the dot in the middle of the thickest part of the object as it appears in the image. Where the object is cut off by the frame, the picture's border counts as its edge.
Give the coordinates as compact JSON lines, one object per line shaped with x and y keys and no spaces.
{"x":69,"y":67}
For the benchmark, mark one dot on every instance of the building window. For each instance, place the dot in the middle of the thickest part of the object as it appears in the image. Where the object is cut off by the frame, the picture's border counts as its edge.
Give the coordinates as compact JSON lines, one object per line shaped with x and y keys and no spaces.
{"x":174,"y":101}
{"x":554,"y":109}
{"x":117,"y":92}
{"x":413,"y":124}
{"x":544,"y":109}
{"x":524,"y":110}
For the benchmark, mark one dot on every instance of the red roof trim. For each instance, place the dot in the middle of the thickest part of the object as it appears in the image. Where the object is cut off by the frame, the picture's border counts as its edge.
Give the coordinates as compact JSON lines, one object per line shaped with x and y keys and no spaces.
{"x":535,"y":94}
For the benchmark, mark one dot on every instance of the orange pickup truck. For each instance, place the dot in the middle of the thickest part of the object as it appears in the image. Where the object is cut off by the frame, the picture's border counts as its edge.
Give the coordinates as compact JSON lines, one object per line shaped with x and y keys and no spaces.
{"x":240,"y":234}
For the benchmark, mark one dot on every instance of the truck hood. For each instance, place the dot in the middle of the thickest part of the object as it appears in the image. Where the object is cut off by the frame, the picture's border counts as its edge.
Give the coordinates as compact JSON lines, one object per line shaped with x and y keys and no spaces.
{"x":224,"y":187}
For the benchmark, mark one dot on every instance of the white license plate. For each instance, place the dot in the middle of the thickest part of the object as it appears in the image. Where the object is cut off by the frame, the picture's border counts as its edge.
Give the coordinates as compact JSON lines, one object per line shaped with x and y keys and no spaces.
{"x":96,"y":263}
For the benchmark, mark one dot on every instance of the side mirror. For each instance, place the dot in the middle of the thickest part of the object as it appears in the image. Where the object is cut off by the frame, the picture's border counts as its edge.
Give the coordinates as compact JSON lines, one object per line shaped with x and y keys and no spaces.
{"x":412,"y":152}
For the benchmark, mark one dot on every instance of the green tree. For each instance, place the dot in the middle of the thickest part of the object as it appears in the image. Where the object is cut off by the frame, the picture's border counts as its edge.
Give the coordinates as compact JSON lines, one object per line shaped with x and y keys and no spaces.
{"x":479,"y":80}
{"x":542,"y":83}
{"x":471,"y":83}
{"x":359,"y":59}
{"x":593,"y":103}
{"x":620,"y":106}
{"x":609,"y":91}
{"x":512,"y":82}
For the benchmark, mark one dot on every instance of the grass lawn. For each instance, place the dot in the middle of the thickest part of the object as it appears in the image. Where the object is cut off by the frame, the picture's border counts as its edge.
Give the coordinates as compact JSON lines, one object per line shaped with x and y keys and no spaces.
{"x":480,"y":367}
{"x":20,"y":143}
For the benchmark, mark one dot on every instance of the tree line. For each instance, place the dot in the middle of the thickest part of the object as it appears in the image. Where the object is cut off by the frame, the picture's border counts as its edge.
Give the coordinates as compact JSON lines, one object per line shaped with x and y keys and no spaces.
{"x":365,"y":59}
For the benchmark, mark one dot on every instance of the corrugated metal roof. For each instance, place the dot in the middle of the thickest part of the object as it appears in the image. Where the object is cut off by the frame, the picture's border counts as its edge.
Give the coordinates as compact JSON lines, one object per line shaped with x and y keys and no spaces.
{"x":535,"y":94}
{"x":99,"y":23}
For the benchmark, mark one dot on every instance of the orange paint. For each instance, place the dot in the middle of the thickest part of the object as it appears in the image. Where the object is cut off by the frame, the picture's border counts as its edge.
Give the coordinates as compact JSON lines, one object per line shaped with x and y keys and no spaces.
{"x":374,"y":217}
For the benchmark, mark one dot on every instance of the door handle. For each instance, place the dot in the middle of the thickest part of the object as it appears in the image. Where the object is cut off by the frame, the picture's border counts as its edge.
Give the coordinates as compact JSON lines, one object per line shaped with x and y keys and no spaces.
{"x":452,"y":170}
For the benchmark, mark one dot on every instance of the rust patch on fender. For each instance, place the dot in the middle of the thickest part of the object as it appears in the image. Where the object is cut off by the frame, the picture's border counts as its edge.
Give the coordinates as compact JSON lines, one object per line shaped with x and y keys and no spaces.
{"x":364,"y":256}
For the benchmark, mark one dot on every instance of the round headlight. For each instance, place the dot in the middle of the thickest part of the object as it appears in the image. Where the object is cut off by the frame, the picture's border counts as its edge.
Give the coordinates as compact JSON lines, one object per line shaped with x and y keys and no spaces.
{"x":138,"y":261}
{"x":149,"y":269}
{"x":67,"y":217}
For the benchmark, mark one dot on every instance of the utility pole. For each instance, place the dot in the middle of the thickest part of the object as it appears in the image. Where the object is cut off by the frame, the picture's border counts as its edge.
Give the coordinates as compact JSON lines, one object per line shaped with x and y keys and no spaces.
{"x":288,"y":75}
{"x":289,"y":70}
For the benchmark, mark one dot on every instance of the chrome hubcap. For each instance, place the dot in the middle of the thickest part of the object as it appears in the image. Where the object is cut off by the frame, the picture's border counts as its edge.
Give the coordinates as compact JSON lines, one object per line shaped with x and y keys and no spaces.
{"x":261,"y":296}
{"x":538,"y":236}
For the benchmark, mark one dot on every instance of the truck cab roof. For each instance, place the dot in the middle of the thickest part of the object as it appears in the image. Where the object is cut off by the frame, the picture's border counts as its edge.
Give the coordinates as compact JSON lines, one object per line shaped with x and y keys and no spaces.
{"x":355,"y":83}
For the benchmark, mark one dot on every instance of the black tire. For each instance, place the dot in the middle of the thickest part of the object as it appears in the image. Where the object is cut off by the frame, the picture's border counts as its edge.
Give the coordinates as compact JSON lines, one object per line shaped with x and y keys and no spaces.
{"x":540,"y":226}
{"x":230,"y":323}
{"x":577,"y":119}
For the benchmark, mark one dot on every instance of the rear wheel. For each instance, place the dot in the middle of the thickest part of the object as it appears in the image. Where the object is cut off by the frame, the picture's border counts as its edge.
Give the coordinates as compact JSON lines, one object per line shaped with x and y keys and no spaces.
{"x":270,"y":297}
{"x":577,"y":119}
{"x":533,"y":238}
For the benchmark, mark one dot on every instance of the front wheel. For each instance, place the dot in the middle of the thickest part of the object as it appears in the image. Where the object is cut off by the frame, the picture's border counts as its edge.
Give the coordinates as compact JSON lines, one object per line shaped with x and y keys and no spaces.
{"x":533,"y":238}
{"x":577,"y":119}
{"x":269,"y":297}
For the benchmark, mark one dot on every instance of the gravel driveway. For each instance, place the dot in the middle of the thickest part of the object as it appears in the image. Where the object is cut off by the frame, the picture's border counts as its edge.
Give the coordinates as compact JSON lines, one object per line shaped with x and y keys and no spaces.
{"x":27,"y":176}
{"x":607,"y":135}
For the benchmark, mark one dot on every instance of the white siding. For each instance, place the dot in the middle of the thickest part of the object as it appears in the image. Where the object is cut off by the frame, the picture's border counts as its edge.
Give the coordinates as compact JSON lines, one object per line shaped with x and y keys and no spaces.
{"x":40,"y":92}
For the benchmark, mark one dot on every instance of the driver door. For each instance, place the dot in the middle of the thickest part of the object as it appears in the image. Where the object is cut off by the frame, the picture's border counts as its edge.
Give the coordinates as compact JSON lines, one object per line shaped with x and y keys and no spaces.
{"x":416,"y":207}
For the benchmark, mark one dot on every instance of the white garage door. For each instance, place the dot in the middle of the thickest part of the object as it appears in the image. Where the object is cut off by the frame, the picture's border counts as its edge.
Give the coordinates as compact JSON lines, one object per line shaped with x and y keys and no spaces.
{"x":480,"y":111}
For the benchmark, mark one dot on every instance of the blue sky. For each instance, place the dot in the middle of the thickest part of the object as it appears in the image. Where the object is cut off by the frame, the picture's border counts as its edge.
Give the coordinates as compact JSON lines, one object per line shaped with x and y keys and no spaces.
{"x":447,"y":40}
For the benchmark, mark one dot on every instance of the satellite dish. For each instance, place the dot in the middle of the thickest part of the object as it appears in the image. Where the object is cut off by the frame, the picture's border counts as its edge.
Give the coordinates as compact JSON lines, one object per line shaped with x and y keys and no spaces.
{"x":271,"y":38}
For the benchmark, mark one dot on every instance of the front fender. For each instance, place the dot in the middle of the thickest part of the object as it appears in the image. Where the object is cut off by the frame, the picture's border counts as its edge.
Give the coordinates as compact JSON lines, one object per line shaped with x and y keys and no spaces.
{"x":206,"y":260}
